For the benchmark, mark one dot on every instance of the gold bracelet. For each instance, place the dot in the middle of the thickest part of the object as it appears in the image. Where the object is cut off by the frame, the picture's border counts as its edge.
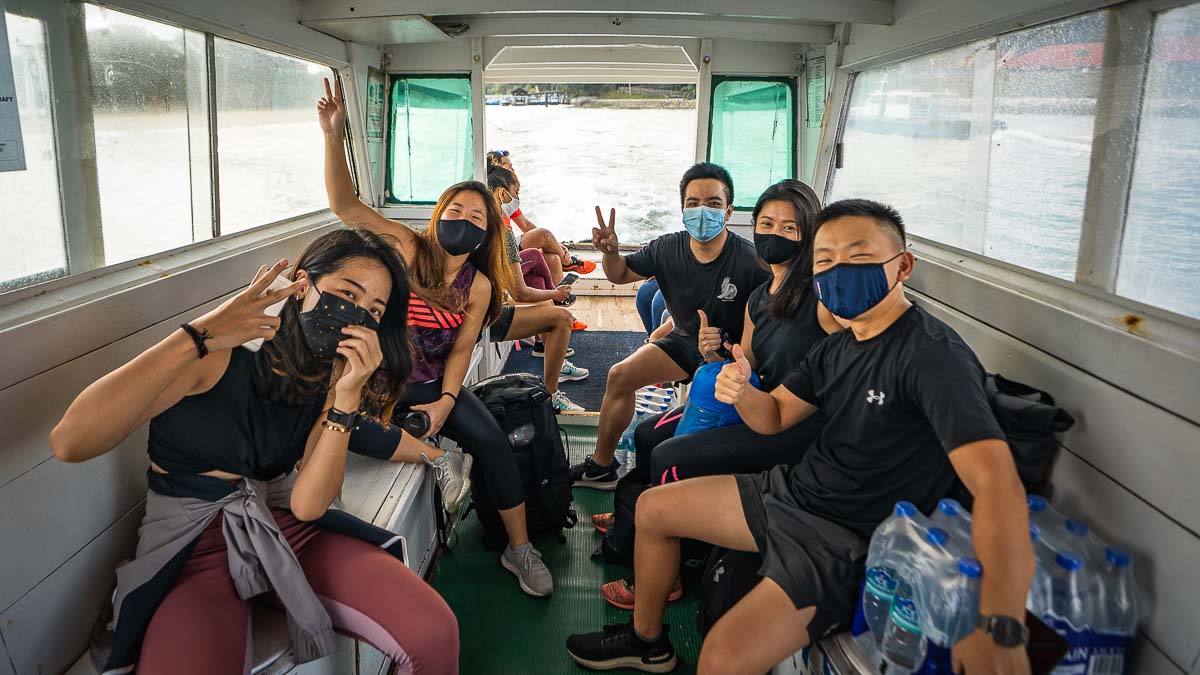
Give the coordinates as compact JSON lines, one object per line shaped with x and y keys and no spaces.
{"x":334,"y":426}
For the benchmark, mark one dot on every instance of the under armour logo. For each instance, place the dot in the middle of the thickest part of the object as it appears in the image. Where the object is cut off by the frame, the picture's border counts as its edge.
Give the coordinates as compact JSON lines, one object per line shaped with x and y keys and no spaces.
{"x":717,"y":574}
{"x":728,"y":290}
{"x":873,"y":397}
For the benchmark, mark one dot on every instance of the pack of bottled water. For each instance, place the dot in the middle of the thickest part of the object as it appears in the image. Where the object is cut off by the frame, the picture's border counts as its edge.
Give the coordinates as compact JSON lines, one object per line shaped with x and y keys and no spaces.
{"x":654,"y":395}
{"x":1084,"y":590}
{"x":921,"y":594}
{"x":645,"y":407}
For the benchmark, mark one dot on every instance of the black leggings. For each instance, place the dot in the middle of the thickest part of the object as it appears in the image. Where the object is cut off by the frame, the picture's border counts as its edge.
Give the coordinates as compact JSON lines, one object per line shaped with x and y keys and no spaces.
{"x":470,"y":425}
{"x":713,"y":452}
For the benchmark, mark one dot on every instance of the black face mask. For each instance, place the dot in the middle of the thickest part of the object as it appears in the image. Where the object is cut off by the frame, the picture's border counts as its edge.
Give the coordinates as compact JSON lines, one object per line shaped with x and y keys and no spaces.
{"x":774,"y":249}
{"x":459,"y":237}
{"x":322,"y":325}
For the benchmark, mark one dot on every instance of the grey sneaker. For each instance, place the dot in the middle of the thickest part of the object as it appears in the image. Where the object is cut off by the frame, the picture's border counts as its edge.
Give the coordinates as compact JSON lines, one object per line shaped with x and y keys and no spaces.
{"x":571,"y":372}
{"x":526,"y":563}
{"x":563,"y":404}
{"x":453,"y":473}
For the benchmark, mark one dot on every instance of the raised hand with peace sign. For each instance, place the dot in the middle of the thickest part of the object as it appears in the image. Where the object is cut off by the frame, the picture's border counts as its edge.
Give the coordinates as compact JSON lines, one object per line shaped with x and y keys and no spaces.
{"x":604,"y":237}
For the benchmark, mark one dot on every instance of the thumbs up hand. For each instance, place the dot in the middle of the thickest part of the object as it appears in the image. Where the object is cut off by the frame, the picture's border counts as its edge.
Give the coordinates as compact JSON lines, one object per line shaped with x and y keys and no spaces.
{"x":708,"y":339}
{"x":731,"y":382}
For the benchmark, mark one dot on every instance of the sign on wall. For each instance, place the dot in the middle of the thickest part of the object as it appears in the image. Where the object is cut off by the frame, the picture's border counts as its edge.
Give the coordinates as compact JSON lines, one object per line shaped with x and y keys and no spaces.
{"x":375,"y":107}
{"x":12,"y":152}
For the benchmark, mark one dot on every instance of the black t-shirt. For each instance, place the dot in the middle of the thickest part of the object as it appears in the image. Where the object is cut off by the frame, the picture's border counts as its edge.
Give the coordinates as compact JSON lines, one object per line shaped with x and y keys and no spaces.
{"x":897,"y":405}
{"x":720,"y":287}
{"x":780,"y":343}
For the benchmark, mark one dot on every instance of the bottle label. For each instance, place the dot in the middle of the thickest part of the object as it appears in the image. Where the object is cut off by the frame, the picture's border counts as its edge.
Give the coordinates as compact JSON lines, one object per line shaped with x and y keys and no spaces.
{"x":881,"y":583}
{"x":904,"y":614}
{"x":1089,"y":652}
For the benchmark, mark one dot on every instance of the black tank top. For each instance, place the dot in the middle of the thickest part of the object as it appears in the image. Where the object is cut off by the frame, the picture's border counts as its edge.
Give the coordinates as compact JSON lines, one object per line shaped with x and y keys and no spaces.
{"x":781,"y":342}
{"x":229,"y":428}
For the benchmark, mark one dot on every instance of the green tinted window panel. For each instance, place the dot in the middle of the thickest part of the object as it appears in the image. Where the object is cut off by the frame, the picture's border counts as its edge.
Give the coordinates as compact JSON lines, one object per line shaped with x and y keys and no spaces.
{"x":431,"y":140}
{"x":752,"y":133}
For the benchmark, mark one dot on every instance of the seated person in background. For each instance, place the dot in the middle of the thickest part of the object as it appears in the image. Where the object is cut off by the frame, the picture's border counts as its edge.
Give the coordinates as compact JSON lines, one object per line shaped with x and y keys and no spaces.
{"x":651,"y":306}
{"x":705,"y":267}
{"x":907,"y":411}
{"x":783,"y":321}
{"x":557,"y":256}
{"x":503,"y":184}
{"x":229,"y":515}
{"x":551,"y":325}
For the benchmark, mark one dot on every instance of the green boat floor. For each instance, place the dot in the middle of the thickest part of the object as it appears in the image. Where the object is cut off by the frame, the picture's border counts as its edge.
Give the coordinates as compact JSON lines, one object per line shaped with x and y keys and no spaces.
{"x":503,"y":631}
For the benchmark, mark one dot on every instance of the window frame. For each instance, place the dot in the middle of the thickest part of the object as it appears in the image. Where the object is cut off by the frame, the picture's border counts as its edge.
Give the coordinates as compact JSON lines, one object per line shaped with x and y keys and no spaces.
{"x":1110,"y":169}
{"x":393,"y":79}
{"x":792,"y":83}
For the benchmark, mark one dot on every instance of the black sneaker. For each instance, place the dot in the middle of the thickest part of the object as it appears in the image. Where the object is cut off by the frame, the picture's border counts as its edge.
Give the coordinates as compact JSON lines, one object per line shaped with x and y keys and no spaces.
{"x":617,"y":646}
{"x":568,"y":302}
{"x":589,"y":474}
{"x":539,"y":351}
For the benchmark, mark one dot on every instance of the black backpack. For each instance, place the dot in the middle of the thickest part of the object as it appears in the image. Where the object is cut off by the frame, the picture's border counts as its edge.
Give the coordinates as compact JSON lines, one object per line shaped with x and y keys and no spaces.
{"x":515,"y":400}
{"x":1030,"y":421}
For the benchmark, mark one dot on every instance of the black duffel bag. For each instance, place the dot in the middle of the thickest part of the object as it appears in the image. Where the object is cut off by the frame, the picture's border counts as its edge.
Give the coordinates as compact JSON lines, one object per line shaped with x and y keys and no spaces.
{"x":1030,"y":421}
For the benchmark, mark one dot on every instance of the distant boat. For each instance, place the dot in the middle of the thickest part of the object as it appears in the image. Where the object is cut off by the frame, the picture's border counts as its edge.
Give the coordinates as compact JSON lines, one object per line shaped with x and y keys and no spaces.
{"x":506,"y":99}
{"x":491,"y":99}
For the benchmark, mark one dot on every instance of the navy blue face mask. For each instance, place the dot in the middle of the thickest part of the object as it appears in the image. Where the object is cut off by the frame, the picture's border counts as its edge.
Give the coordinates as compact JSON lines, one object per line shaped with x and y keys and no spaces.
{"x":850,"y":289}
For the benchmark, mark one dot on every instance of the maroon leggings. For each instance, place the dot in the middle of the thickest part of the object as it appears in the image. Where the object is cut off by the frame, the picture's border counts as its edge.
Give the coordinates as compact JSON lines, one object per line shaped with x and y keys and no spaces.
{"x":535,"y":270}
{"x":202,"y":626}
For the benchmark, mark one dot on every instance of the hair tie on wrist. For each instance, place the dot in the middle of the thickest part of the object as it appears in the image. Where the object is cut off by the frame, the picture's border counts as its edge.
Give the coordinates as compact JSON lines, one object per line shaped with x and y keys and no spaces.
{"x":452,"y":396}
{"x":198,"y":337}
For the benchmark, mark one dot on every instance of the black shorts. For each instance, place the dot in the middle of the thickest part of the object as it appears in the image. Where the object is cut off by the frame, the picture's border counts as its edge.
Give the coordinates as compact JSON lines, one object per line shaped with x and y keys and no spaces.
{"x":503,"y":323}
{"x":817,"y":562}
{"x":682,"y":350}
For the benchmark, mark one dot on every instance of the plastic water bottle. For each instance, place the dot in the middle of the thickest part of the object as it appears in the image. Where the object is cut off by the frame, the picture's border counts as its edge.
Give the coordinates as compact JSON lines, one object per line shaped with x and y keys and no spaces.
{"x":1117,"y":606}
{"x":903,"y":644}
{"x":1086,"y":545}
{"x":882,"y":566}
{"x":954,"y":519}
{"x":970,"y":572}
{"x":1051,"y":522}
{"x":1038,"y":600}
{"x":1068,"y":601}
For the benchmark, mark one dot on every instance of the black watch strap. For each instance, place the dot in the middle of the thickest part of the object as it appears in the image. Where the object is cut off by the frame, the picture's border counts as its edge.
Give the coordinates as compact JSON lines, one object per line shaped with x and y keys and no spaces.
{"x":1005,"y":630}
{"x":345,"y":419}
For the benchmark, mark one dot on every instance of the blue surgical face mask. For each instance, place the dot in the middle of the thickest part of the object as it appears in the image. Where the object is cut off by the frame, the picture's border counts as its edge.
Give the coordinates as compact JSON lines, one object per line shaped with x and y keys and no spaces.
{"x":850,"y":289}
{"x":704,"y":222}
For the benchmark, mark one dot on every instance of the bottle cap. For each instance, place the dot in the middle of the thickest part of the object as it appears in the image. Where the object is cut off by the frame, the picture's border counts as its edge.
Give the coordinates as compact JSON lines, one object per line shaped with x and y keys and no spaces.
{"x":950,"y":507}
{"x":970,"y":568}
{"x":1077,"y":527}
{"x":1036,"y":503}
{"x":1117,"y":558}
{"x":906,"y":510}
{"x":937,"y":536}
{"x":1035,"y":532}
{"x":1067,"y":561}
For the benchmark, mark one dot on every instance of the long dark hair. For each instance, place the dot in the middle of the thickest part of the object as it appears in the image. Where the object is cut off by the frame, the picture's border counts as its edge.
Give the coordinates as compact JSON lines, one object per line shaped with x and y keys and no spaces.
{"x":285,"y":370}
{"x":798,"y":280}
{"x":429,"y":261}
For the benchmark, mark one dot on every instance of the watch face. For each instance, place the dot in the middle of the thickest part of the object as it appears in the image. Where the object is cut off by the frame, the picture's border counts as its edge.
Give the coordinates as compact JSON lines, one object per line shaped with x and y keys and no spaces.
{"x":1007,"y":631}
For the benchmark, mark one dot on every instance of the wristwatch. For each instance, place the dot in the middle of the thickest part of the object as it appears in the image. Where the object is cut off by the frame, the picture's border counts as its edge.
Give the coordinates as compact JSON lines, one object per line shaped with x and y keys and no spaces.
{"x":347,"y":421}
{"x":1005,"y":630}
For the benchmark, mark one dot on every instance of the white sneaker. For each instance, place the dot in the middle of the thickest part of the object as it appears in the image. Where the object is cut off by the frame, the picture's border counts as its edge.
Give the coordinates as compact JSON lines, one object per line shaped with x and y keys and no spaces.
{"x":563,"y":404}
{"x":571,"y":372}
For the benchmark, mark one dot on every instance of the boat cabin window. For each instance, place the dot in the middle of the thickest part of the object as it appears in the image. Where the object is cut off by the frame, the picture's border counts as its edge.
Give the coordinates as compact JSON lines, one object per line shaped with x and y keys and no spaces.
{"x":990,"y":148}
{"x":1162,"y":240}
{"x":752,"y":133}
{"x":35,"y":248}
{"x":140,"y":157}
{"x":271,"y":158}
{"x":432,"y":140}
{"x":986,"y":146}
